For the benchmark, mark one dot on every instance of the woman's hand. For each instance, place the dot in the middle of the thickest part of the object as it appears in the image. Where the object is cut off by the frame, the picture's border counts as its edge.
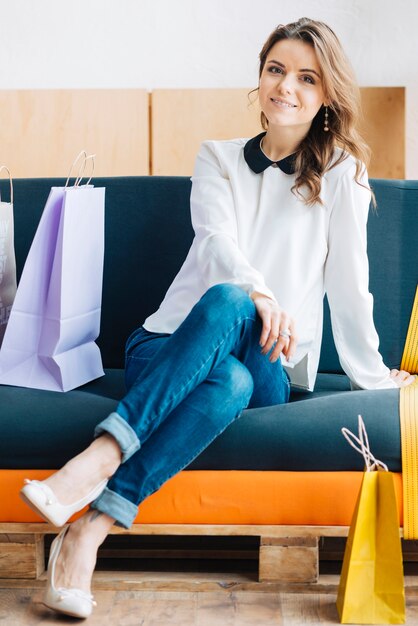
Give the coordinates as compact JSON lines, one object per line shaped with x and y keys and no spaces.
{"x":402,"y":378}
{"x":278,"y":327}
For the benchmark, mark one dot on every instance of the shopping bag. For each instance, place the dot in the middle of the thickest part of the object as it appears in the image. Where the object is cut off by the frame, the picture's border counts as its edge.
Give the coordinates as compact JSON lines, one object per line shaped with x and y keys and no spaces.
{"x":7,"y":259}
{"x":371,"y":589}
{"x":55,"y":319}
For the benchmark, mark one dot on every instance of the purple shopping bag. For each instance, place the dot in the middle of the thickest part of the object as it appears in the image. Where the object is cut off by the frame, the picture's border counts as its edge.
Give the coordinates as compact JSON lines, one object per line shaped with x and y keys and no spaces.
{"x":55,"y":319}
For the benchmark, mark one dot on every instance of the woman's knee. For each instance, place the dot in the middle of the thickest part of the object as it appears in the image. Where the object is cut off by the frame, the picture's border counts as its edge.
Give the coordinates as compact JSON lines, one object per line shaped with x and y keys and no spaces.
{"x":227,"y":295}
{"x":237,"y":383}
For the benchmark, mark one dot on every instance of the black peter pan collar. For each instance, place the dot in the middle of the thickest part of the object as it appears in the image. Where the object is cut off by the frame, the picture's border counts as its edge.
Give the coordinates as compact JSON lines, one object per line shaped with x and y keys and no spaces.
{"x":258,"y":161}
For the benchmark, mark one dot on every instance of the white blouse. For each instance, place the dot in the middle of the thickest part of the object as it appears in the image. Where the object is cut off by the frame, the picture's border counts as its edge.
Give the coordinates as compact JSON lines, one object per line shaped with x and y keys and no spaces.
{"x":252,"y":231}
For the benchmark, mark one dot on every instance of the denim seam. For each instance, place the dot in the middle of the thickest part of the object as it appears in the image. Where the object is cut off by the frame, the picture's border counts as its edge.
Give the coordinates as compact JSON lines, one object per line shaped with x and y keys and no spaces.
{"x":209,"y":357}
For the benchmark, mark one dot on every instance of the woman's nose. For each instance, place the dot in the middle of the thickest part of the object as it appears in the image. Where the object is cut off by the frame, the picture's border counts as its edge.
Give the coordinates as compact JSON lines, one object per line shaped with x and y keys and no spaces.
{"x":286,"y":84}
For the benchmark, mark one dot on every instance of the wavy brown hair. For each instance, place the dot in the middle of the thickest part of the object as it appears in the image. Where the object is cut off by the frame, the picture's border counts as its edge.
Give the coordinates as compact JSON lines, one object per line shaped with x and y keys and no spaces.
{"x":315,"y":153}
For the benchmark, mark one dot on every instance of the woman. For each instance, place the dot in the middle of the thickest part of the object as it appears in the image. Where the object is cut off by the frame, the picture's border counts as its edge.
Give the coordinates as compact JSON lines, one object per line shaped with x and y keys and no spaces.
{"x":278,"y":220}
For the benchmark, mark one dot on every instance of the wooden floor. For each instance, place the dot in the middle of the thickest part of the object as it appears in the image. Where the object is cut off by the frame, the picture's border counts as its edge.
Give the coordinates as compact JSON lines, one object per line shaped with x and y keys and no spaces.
{"x":181,"y":588}
{"x":23,"y":607}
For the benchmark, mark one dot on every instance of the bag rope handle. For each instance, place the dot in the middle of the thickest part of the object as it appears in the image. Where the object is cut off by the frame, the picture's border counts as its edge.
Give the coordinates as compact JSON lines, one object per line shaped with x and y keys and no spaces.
{"x":80,"y":175}
{"x":78,"y":157}
{"x":363,"y":447}
{"x":4,"y":167}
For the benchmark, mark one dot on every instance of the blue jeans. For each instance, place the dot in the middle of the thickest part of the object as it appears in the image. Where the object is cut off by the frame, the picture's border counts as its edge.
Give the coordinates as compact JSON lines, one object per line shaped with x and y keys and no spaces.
{"x":184,"y":389}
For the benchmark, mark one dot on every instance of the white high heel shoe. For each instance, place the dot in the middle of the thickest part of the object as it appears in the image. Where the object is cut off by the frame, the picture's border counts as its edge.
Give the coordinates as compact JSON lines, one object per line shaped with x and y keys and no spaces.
{"x":43,"y":501}
{"x":74,"y":602}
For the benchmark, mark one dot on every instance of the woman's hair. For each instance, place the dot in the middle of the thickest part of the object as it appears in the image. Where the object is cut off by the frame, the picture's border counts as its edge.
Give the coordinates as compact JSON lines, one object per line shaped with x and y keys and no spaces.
{"x":316,"y":151}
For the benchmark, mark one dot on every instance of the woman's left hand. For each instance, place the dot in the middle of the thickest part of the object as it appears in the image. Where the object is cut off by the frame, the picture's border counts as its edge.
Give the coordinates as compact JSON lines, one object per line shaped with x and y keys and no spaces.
{"x":402,"y":378}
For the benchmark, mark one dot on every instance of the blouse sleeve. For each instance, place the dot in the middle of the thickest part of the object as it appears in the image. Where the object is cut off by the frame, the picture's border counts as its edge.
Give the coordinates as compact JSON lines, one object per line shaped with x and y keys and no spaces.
{"x":347,"y":286}
{"x":219,"y":258}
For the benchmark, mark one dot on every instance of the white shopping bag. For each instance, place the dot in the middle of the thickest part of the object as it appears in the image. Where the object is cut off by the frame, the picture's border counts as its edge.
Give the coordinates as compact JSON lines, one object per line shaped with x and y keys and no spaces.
{"x":7,"y":259}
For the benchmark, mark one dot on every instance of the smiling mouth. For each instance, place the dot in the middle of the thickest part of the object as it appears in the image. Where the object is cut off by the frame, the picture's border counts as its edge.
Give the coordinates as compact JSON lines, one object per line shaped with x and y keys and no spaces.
{"x":284,"y":105}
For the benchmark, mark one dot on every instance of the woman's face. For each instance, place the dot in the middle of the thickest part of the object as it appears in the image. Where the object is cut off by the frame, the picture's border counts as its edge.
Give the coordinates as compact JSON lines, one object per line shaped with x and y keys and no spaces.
{"x":290,"y":88}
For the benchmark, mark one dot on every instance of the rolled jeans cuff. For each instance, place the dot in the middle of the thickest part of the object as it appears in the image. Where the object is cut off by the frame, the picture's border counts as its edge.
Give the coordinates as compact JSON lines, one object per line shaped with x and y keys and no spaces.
{"x":111,"y":503}
{"x":125,"y":436}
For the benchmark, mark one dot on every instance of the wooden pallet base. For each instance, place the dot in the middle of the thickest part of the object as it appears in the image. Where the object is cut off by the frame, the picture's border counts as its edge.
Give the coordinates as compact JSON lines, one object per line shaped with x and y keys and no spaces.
{"x":288,"y":559}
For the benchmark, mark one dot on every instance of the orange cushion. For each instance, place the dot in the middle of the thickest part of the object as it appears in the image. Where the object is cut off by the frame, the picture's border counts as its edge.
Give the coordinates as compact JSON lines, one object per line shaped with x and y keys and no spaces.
{"x":226,"y":497}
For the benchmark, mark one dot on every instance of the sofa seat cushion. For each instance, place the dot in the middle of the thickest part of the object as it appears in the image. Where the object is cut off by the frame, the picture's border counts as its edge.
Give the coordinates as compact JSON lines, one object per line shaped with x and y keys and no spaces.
{"x":42,"y":430}
{"x":227,"y":497}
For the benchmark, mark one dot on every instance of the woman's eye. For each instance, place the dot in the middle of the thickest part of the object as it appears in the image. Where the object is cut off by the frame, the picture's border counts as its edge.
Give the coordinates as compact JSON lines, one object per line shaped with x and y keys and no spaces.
{"x":275,"y":70}
{"x":308,"y":79}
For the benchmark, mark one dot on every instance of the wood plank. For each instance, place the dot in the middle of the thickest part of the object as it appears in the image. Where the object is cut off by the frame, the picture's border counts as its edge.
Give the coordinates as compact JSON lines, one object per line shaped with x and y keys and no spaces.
{"x":22,"y":559}
{"x":309,"y":542}
{"x":233,"y":530}
{"x":42,"y":131}
{"x":193,"y":529}
{"x":198,"y":582}
{"x":22,"y":607}
{"x":201,"y":114}
{"x":236,"y":609}
{"x":19,"y":538}
{"x":289,"y":560}
{"x":226,"y":113}
{"x":383,"y":128}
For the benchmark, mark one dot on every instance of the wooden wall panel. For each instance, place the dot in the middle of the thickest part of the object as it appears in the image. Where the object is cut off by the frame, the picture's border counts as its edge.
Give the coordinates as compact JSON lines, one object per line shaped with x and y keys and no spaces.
{"x":42,"y":131}
{"x":384,"y":129}
{"x":182,"y":119}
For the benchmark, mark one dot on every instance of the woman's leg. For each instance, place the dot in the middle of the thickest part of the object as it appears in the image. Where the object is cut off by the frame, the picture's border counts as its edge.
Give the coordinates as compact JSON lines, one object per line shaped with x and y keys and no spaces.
{"x":208,"y":410}
{"x":77,"y":558}
{"x":200,"y":417}
{"x":224,"y":321}
{"x":217,"y":326}
{"x":179,"y":439}
{"x":191,"y":426}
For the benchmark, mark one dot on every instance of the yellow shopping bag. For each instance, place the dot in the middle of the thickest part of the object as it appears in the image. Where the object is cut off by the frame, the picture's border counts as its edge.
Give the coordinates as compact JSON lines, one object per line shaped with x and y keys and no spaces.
{"x":371,"y":589}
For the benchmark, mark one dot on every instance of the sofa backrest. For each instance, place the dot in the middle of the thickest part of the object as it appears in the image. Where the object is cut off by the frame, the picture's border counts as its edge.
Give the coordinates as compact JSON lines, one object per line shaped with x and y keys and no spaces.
{"x":148,"y":234}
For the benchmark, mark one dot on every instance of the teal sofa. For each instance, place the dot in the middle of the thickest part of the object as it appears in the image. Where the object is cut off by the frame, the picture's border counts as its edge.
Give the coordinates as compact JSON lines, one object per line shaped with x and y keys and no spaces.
{"x":148,"y":233}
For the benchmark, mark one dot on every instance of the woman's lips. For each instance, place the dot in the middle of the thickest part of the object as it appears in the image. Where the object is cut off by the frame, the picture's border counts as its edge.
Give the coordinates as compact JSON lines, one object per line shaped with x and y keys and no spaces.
{"x":282,"y":103}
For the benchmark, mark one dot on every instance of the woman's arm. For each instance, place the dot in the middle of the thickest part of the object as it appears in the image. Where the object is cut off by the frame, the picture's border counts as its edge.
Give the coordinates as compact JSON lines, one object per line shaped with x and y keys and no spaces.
{"x":219,"y":258}
{"x":214,"y":221}
{"x":347,"y":286}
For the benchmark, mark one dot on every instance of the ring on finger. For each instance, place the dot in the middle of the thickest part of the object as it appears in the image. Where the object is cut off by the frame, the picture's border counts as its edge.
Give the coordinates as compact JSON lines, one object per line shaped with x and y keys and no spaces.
{"x":285,"y":333}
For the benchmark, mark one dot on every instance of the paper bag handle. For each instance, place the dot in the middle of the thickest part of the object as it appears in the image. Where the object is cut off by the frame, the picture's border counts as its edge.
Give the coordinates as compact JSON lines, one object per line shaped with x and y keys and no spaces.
{"x":82,"y":153}
{"x":80,"y":177}
{"x":363,"y":446}
{"x":4,"y":167}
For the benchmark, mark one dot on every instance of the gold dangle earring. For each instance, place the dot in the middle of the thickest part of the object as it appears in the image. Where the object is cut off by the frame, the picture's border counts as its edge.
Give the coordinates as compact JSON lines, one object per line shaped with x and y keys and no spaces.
{"x":326,"y":127}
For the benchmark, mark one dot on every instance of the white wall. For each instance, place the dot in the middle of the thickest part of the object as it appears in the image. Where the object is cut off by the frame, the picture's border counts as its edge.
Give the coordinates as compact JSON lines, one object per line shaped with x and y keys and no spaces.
{"x":197,"y":43}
